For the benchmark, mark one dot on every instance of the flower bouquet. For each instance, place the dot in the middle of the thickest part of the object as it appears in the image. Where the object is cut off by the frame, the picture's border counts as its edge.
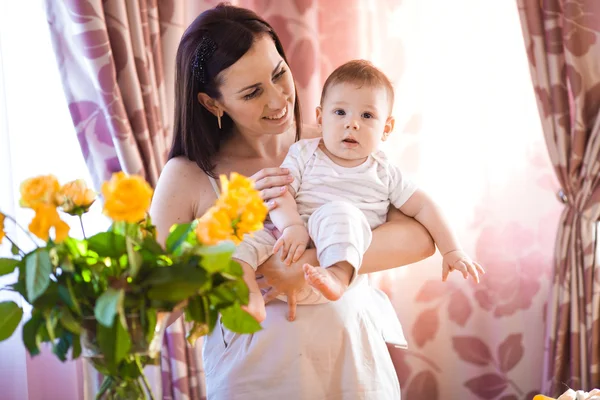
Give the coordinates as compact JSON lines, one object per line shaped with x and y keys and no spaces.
{"x":573,"y":395}
{"x":107,"y":297}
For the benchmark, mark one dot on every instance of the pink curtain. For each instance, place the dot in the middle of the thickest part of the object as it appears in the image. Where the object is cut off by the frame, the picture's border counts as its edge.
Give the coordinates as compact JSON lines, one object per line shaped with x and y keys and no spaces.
{"x":113,"y":57}
{"x":563,"y":45}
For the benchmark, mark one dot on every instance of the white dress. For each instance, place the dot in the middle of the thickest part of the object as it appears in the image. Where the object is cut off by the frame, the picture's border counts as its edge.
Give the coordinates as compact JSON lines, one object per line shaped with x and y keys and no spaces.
{"x":331,"y":351}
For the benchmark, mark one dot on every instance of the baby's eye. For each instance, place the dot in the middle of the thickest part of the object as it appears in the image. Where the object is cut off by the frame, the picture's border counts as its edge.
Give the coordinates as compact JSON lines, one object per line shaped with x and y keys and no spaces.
{"x":367,"y":115}
{"x":339,"y":112}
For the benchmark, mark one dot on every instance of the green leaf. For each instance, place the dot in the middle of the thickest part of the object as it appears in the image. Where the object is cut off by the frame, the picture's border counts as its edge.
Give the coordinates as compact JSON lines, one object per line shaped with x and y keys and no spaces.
{"x":134,"y":257}
{"x":73,"y":297}
{"x":31,"y":338}
{"x":235,"y":269}
{"x":149,"y":324}
{"x":61,"y":348}
{"x":177,"y":236}
{"x":173,"y":292}
{"x":75,"y":247}
{"x":197,"y":330}
{"x":69,"y":322}
{"x":51,"y":322}
{"x":212,"y":314}
{"x":107,"y":244}
{"x":176,"y":283}
{"x":14,"y":250}
{"x":237,"y":320}
{"x":10,"y":316}
{"x":107,"y":306}
{"x":115,"y":343}
{"x":7,"y":265}
{"x":76,"y":352}
{"x":19,"y":287}
{"x":228,"y":293}
{"x":152,"y":246}
{"x":217,"y":258}
{"x":194,"y":311}
{"x":67,"y":265}
{"x":37,"y":276}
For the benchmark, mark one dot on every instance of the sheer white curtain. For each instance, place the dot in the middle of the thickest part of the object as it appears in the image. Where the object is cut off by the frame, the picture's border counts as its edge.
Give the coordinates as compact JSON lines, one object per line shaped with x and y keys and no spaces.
{"x":36,"y":137}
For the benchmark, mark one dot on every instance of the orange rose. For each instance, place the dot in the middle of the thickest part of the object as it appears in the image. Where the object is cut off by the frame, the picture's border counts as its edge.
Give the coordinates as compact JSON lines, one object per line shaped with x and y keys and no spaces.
{"x":127,"y":197}
{"x":75,"y":198}
{"x":39,"y":190}
{"x":46,"y":217}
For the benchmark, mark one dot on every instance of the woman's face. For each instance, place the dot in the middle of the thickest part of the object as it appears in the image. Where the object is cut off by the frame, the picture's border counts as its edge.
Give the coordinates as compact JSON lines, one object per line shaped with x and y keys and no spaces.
{"x":257,"y":92}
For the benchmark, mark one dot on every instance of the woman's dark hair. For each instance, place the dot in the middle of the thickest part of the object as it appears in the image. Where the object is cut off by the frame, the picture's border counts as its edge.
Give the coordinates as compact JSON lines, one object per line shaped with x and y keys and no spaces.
{"x":216,"y":39}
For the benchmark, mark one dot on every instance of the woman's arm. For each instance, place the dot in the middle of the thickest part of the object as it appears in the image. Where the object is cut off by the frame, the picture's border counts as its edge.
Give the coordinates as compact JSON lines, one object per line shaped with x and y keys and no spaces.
{"x":175,"y":200}
{"x":400,"y":241}
{"x":181,"y":190}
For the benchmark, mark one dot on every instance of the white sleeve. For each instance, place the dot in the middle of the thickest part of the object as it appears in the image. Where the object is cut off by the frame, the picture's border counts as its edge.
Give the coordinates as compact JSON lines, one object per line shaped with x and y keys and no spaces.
{"x":400,"y":188}
{"x":296,"y":159}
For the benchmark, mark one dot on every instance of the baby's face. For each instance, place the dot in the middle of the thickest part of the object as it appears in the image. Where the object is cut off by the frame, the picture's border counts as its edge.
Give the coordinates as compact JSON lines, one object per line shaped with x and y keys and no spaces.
{"x":354,"y":120}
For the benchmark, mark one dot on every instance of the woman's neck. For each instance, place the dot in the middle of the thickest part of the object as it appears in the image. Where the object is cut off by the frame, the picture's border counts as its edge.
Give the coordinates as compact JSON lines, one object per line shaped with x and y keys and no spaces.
{"x":261,"y":146}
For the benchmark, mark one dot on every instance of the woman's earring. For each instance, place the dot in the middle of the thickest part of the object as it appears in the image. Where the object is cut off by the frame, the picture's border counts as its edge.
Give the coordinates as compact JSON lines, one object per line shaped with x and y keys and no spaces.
{"x":219,"y":119}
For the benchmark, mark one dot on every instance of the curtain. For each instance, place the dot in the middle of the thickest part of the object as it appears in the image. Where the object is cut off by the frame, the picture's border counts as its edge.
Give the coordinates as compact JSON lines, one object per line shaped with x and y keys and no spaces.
{"x":115,"y":59}
{"x":563,"y":45}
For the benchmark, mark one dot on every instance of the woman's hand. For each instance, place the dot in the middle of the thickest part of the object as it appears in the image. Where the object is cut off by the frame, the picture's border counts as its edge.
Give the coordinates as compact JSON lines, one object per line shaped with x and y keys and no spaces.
{"x":272,"y":183}
{"x":285,"y":279}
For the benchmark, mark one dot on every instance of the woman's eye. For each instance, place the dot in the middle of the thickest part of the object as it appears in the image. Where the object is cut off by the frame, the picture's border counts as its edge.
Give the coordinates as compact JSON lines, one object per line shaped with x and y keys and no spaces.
{"x":252,"y":95}
{"x":279,"y":74}
{"x":339,"y":112}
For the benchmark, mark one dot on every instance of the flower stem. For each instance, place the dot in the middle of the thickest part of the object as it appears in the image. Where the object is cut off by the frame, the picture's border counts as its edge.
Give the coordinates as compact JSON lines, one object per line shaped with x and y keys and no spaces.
{"x":144,"y":379}
{"x":15,"y":245}
{"x":82,"y":229}
{"x":23,"y":229}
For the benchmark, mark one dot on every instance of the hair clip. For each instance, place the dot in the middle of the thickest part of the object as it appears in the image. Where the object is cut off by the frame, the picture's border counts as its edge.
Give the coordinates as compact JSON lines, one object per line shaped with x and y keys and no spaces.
{"x":202,"y":54}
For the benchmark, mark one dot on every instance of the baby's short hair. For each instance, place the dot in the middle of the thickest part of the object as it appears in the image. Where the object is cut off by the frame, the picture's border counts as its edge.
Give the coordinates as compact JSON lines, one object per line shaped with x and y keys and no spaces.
{"x":360,"y":72}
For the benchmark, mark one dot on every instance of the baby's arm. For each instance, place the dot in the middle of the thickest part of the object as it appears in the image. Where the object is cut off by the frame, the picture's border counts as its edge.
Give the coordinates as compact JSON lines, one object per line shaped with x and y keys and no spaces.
{"x":422,"y":208}
{"x":294,"y":235}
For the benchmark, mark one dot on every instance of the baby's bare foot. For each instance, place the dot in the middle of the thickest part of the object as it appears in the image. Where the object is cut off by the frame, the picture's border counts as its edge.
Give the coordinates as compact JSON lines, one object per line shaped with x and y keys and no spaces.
{"x":324,"y":281}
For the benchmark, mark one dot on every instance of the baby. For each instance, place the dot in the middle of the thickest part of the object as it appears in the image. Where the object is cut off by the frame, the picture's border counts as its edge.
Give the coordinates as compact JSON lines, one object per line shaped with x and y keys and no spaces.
{"x":343,"y":187}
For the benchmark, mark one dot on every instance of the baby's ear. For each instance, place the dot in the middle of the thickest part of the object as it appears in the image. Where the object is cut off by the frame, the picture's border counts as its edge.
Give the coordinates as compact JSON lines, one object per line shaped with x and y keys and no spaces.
{"x":319,"y":114}
{"x":388,"y":128}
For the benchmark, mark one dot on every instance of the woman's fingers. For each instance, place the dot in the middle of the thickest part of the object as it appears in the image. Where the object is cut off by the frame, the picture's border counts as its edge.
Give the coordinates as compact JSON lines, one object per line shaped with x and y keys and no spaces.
{"x":291,"y":298}
{"x":265,"y":172}
{"x":271,"y":295}
{"x":272,"y":193}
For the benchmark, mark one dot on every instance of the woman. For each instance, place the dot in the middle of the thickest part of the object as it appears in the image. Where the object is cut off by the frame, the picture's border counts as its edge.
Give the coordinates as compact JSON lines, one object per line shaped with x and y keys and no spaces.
{"x":236,"y":110}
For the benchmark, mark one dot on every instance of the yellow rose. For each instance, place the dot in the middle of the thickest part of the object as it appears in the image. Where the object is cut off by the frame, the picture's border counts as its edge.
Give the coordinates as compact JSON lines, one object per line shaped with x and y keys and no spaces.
{"x":46,"y":217}
{"x":2,"y":234}
{"x":214,"y":226}
{"x":39,"y":190}
{"x":75,"y":197}
{"x":238,"y":211}
{"x":126,"y":197}
{"x":252,"y":217}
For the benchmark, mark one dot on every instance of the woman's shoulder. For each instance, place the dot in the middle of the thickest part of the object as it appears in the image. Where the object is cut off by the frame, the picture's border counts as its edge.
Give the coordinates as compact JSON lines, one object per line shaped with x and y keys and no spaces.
{"x":181,"y":168}
{"x":184,"y":185}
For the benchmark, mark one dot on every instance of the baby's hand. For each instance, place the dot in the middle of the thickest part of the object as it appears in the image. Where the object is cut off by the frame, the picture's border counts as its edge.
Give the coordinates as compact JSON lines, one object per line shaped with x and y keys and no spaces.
{"x":292,"y":242}
{"x":460,"y":261}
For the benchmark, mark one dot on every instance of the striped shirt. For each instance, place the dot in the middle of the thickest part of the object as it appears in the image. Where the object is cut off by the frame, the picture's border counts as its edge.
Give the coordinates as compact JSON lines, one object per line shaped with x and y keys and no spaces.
{"x":371,"y":186}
